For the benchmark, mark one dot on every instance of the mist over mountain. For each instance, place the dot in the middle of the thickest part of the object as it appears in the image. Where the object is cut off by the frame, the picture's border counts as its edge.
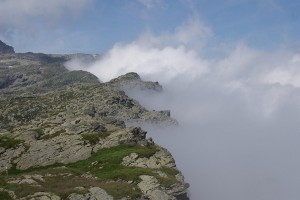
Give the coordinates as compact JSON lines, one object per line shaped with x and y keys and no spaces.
{"x":215,"y":82}
{"x":237,"y":108}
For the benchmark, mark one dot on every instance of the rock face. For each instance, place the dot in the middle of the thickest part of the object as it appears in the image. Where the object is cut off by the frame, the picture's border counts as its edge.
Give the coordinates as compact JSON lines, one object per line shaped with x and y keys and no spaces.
{"x":95,"y":193}
{"x":4,"y":48}
{"x":133,"y":81}
{"x":63,"y":135}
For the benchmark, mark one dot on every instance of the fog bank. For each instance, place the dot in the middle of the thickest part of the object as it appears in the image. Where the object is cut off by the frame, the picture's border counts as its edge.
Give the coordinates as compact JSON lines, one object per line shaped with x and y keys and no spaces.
{"x":237,"y":107}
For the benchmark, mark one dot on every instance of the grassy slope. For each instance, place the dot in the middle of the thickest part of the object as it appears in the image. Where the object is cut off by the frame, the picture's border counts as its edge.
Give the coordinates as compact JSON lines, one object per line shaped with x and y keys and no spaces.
{"x":105,"y":165}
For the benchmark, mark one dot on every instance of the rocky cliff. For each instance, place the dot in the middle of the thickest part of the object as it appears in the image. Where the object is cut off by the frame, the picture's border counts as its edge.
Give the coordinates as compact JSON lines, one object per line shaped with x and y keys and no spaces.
{"x":63,"y":135}
{"x":4,"y":48}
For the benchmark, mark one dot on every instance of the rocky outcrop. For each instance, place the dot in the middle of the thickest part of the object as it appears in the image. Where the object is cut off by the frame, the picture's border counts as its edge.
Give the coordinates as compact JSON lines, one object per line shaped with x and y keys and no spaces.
{"x":132,"y":80}
{"x":162,"y":158}
{"x":95,"y":193}
{"x":63,"y":135}
{"x":61,"y":149}
{"x":8,"y":155}
{"x":4,"y":48}
{"x":42,"y":196}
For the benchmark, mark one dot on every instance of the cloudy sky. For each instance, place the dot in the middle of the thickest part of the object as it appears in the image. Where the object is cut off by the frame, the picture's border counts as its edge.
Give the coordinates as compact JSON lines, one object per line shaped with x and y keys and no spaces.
{"x":55,"y":26}
{"x":230,"y":70}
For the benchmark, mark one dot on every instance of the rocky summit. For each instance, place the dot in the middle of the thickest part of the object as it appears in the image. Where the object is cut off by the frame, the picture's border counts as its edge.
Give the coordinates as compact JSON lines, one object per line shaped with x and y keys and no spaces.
{"x":63,"y":135}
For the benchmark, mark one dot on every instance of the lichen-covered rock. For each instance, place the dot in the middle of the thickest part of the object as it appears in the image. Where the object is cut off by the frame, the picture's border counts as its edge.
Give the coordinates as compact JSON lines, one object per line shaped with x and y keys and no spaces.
{"x":7,"y":156}
{"x":41,"y":196}
{"x":62,"y":149}
{"x":132,"y":135}
{"x":132,"y":80}
{"x":95,"y":193}
{"x":151,"y":187}
{"x":75,"y":196}
{"x":161,"y":158}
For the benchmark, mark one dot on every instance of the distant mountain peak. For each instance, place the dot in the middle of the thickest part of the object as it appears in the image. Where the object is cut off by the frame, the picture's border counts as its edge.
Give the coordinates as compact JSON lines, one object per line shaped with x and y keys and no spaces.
{"x":4,"y":48}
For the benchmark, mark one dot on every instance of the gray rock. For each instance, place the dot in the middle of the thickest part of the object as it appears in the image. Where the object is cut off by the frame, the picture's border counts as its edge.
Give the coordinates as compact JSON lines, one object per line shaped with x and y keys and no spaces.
{"x":97,"y":193}
{"x":4,"y":48}
{"x":160,"y":159}
{"x":151,"y":187}
{"x":132,"y":81}
{"x":7,"y":157}
{"x":61,"y":149}
{"x":41,"y":196}
{"x":75,"y":196}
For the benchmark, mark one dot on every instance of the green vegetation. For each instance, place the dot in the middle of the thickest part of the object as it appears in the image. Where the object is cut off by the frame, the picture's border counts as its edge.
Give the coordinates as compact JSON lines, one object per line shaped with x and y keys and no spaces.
{"x":94,"y":138}
{"x":8,"y":142}
{"x":104,"y":164}
{"x":65,"y":182}
{"x":115,"y":155}
{"x":20,"y":190}
{"x":5,"y":195}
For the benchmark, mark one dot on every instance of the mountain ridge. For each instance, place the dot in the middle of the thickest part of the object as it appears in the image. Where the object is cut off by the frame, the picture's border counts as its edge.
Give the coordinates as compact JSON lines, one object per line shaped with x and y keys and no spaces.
{"x":66,"y":128}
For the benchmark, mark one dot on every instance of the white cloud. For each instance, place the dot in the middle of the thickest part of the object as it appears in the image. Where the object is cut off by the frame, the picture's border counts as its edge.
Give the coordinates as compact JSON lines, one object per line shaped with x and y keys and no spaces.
{"x":239,"y":112}
{"x":20,"y":13}
{"x":169,"y":54}
{"x":149,"y":3}
{"x":288,"y":73}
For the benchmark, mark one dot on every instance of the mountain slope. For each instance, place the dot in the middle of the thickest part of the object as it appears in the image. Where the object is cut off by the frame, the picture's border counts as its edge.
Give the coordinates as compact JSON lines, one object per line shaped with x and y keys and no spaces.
{"x":63,"y":136}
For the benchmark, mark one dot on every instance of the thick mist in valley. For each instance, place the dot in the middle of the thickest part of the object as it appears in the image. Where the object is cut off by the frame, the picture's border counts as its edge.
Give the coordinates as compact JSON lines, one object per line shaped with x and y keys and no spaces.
{"x":237,"y":108}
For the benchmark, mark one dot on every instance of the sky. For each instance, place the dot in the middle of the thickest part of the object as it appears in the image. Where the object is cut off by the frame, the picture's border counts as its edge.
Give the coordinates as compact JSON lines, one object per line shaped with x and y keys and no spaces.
{"x":55,"y":26}
{"x":230,"y":72}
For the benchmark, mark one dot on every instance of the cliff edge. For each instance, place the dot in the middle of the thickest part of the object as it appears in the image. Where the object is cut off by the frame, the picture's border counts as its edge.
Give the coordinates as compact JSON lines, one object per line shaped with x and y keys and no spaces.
{"x":63,"y":136}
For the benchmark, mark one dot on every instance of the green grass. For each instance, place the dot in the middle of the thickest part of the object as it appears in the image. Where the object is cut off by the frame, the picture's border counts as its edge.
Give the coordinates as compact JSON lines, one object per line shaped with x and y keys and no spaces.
{"x":9,"y":142}
{"x":63,"y":186}
{"x":14,"y":171}
{"x":104,"y":164}
{"x":116,"y":172}
{"x":114,"y":155}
